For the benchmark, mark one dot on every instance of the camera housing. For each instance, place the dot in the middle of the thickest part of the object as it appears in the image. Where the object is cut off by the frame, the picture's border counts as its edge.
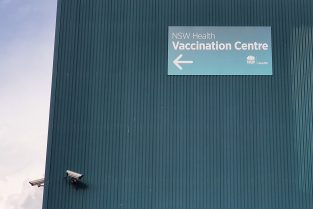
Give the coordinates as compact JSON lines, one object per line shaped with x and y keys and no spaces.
{"x":38,"y":182}
{"x":74,"y":176}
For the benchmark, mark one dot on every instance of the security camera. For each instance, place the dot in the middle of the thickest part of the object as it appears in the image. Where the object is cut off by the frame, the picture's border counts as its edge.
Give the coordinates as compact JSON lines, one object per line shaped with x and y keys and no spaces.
{"x":38,"y":182}
{"x":74,"y":176}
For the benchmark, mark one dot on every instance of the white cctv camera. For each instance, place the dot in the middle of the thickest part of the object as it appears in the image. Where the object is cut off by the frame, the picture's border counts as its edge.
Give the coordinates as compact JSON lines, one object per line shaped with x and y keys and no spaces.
{"x":75,"y":177}
{"x":38,"y":182}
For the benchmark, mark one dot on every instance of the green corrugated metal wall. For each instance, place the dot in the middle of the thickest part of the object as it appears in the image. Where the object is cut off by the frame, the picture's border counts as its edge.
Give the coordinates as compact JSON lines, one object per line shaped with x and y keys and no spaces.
{"x":145,"y":140}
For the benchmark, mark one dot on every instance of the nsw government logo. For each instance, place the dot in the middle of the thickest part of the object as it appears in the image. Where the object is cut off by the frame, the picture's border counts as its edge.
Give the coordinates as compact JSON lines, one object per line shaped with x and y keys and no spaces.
{"x":251,"y":60}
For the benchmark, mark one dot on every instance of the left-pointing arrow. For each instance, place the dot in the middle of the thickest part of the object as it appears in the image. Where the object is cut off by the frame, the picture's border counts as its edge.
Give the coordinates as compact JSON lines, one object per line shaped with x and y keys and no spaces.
{"x":178,"y":62}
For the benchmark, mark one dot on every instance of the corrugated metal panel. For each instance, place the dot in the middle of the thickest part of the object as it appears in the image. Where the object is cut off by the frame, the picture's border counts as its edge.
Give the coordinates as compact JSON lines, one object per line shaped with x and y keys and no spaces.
{"x":147,"y":140}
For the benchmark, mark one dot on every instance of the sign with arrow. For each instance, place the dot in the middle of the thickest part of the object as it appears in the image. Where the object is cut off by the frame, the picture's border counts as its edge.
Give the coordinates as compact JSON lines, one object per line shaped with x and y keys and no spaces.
{"x":219,"y":50}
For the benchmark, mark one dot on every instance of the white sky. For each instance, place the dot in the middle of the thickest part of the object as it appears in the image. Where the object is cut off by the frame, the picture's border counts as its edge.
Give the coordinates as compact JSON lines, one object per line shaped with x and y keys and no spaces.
{"x":26,"y":54}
